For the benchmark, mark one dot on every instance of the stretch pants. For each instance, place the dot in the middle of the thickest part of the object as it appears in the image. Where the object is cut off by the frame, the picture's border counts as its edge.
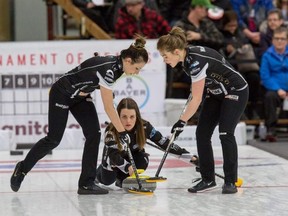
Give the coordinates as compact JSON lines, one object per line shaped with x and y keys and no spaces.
{"x":85,"y":113}
{"x":226,"y":112}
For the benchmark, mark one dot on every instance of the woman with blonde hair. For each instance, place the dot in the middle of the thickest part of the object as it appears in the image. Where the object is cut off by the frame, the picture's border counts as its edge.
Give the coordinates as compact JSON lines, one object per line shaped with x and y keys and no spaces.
{"x":223,"y":93}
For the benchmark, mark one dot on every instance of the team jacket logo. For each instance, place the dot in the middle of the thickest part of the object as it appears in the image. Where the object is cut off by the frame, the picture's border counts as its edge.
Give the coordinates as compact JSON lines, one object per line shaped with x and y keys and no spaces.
{"x":195,"y":70}
{"x":232,"y":97}
{"x":202,"y":49}
{"x":195,"y":63}
{"x":109,"y":76}
{"x":220,"y":78}
{"x":62,"y":106}
{"x":215,"y":91}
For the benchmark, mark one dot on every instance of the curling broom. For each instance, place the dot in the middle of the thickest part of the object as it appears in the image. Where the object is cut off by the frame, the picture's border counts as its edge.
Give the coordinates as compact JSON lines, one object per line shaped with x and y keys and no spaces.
{"x":140,"y":189}
{"x":172,"y":138}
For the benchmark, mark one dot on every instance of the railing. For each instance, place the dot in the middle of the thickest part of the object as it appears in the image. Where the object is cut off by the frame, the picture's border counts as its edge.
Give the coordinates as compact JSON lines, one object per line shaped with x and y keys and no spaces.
{"x":257,"y":121}
{"x":73,"y":11}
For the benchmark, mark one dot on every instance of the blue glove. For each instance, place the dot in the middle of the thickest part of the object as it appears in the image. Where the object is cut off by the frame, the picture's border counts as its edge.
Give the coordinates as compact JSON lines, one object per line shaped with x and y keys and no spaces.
{"x":124,"y":140}
{"x":178,"y":127}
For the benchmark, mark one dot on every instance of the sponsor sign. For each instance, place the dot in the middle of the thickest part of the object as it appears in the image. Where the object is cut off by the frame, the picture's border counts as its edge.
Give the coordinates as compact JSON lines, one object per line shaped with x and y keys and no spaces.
{"x":28,"y":69}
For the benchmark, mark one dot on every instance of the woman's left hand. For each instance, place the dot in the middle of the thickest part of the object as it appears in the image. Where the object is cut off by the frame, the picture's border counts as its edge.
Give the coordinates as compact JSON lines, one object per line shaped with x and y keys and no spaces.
{"x":83,"y":94}
{"x":130,"y":170}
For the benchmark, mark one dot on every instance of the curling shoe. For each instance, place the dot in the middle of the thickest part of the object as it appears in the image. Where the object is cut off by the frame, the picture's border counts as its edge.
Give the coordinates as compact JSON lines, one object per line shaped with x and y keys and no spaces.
{"x":92,"y":189}
{"x":202,"y":186}
{"x":17,"y":177}
{"x":229,"y":188}
{"x":96,"y":181}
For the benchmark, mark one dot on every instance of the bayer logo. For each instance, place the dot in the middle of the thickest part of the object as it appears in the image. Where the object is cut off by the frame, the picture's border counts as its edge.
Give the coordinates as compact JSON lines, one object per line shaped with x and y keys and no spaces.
{"x":134,"y":87}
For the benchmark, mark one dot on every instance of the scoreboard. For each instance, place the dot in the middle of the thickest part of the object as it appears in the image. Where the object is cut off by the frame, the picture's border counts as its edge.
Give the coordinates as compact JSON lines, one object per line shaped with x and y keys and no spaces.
{"x":25,"y":93}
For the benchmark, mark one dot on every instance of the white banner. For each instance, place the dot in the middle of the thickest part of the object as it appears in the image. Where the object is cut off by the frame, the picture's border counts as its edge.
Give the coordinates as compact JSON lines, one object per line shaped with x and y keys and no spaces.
{"x":28,"y":69}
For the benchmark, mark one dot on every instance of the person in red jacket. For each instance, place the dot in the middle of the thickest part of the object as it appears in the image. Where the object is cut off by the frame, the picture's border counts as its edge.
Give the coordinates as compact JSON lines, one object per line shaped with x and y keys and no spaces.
{"x":136,"y":18}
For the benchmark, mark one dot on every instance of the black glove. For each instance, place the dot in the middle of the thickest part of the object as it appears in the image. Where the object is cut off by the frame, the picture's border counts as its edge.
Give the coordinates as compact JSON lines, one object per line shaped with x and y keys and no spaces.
{"x":124,"y":140}
{"x":178,"y":127}
{"x":175,"y":149}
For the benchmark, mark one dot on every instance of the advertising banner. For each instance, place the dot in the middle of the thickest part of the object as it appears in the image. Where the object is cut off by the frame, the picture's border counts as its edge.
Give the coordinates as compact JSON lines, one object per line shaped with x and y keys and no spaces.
{"x":28,"y":69}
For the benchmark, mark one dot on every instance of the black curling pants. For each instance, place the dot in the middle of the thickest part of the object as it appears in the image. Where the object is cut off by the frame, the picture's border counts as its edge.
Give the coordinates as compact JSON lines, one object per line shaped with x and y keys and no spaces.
{"x":108,"y":177}
{"x":226,"y":112}
{"x":85,"y":113}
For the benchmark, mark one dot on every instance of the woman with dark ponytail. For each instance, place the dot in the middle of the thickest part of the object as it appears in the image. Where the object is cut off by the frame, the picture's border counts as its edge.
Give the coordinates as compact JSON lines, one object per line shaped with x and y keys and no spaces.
{"x":71,"y":92}
{"x":116,"y":165}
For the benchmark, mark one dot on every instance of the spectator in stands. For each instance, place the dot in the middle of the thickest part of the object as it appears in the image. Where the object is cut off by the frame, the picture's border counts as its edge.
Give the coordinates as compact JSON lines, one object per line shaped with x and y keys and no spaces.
{"x":274,"y":76}
{"x":172,"y":10}
{"x":216,"y":13}
{"x":95,"y":13}
{"x":198,"y":28}
{"x":251,"y":13}
{"x":118,"y":4}
{"x":235,"y":45}
{"x":136,"y":18}
{"x":200,"y":31}
{"x":224,"y":4}
{"x":273,"y":21}
{"x":283,"y":6}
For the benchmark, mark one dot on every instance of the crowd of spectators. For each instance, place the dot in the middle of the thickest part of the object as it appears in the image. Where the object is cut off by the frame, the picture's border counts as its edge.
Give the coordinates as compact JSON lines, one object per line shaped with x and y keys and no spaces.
{"x":242,"y":30}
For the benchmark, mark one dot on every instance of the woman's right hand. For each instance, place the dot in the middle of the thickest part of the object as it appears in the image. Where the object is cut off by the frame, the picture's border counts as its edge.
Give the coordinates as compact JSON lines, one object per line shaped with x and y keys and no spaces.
{"x":130,"y":170}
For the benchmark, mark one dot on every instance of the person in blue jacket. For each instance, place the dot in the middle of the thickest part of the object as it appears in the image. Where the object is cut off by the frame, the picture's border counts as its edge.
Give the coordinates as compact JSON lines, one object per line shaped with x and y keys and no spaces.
{"x":251,"y":13}
{"x":274,"y":76}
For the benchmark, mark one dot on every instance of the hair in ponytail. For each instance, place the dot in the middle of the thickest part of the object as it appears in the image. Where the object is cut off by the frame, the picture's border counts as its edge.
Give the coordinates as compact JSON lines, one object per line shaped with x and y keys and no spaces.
{"x":175,"y":39}
{"x":136,"y":51}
